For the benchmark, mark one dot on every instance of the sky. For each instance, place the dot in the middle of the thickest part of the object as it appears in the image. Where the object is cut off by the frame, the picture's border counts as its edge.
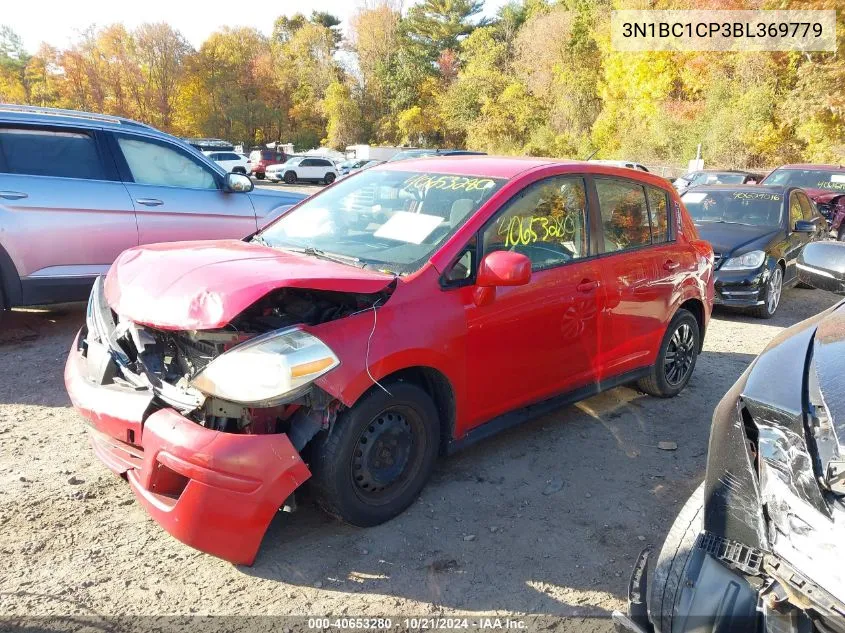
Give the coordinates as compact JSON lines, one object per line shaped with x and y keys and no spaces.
{"x":58,"y":22}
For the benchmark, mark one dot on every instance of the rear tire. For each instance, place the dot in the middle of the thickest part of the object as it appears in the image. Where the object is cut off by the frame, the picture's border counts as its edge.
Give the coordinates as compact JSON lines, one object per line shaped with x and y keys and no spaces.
{"x":290,"y":177}
{"x":374,"y":461}
{"x":260,"y":175}
{"x":671,"y":564}
{"x":675,"y":358}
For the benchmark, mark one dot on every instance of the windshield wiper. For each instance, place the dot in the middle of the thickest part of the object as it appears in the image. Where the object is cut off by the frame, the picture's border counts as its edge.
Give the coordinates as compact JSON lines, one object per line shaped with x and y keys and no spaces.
{"x":332,"y":257}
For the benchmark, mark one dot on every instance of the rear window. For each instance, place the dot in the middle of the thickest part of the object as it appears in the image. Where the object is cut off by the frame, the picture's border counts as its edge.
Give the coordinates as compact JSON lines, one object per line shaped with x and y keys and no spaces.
{"x":60,"y":154}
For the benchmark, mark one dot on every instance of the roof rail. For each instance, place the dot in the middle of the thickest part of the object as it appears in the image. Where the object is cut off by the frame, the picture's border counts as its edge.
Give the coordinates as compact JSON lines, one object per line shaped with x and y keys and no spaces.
{"x":76,"y":114}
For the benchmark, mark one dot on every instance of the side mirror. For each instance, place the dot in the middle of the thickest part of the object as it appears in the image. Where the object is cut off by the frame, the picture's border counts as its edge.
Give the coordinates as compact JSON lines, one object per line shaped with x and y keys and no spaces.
{"x":822,"y":265}
{"x":238,"y":183}
{"x":805,"y":226}
{"x":503,"y":268}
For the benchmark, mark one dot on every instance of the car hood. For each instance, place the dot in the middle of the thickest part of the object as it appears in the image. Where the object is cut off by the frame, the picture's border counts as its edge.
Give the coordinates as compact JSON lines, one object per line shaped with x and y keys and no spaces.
{"x":728,"y":239}
{"x":204,"y":285}
{"x":822,"y":195}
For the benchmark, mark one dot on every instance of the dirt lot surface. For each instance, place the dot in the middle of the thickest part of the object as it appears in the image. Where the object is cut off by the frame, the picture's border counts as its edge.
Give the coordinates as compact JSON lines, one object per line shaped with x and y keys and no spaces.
{"x":544,"y":519}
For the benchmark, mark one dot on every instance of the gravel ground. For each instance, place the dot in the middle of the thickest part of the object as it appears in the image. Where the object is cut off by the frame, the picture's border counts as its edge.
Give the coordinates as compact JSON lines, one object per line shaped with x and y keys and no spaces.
{"x":547,"y":518}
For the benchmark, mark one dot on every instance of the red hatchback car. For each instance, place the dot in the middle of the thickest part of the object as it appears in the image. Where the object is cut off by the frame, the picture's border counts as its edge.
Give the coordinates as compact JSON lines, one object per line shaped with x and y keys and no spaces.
{"x":402,"y":313}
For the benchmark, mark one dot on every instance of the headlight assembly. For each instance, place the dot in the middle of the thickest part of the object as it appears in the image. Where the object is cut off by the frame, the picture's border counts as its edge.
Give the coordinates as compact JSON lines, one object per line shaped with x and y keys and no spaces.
{"x":267,"y":369}
{"x":749,"y":261}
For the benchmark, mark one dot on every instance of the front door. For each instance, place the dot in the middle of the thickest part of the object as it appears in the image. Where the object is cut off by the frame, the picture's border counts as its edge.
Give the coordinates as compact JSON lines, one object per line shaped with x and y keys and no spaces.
{"x":177,"y":196}
{"x":534,"y":341}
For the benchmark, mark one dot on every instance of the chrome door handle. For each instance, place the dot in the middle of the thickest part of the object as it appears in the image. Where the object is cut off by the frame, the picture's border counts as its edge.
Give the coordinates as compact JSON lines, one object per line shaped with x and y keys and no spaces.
{"x":670,"y":265}
{"x":150,"y":202}
{"x":13,"y":195}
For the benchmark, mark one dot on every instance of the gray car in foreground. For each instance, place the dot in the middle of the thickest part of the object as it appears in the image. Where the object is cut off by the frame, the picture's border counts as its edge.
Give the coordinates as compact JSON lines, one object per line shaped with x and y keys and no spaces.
{"x":77,"y":189}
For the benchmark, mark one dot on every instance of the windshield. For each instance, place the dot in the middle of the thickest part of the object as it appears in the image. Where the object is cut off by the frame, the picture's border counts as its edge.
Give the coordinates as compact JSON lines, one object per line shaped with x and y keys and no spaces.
{"x":412,"y":153}
{"x":735,"y":207}
{"x":808,"y":179}
{"x":389,"y":220}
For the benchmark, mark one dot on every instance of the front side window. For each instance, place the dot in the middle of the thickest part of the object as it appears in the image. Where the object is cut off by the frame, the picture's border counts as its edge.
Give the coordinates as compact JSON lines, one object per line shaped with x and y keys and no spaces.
{"x":806,"y":207}
{"x":56,"y":153}
{"x":546,"y":221}
{"x":624,"y":214}
{"x":796,"y":214}
{"x":156,"y":164}
{"x":385,"y":219}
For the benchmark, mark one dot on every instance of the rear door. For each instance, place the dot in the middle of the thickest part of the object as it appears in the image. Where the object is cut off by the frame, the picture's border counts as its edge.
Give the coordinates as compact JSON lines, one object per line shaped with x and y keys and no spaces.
{"x":176,"y":195}
{"x":64,"y":214}
{"x":642,"y":267}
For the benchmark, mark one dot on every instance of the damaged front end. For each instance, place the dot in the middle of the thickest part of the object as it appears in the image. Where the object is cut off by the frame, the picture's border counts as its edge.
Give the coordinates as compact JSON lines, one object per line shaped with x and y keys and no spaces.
{"x":208,"y":425}
{"x":768,"y":556}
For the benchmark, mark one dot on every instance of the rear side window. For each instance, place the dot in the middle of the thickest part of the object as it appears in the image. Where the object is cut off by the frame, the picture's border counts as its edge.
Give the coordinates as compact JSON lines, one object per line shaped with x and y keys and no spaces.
{"x":60,"y":154}
{"x":624,"y":214}
{"x":658,"y":204}
{"x":546,"y":222}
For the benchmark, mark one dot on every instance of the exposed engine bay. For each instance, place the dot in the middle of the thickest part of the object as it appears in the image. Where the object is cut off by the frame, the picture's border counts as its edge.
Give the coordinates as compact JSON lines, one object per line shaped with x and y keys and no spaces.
{"x":167,"y":362}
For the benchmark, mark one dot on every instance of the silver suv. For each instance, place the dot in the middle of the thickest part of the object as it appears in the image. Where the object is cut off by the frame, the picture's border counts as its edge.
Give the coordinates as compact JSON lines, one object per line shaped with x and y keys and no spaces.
{"x":77,"y":189}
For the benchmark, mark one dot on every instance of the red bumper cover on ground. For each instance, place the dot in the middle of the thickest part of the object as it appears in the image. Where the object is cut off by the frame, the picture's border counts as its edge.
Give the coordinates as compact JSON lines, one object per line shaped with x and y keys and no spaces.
{"x":214,"y":491}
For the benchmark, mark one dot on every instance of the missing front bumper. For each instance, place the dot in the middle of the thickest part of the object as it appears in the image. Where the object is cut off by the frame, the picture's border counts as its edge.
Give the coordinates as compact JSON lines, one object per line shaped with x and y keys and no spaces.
{"x":214,"y":491}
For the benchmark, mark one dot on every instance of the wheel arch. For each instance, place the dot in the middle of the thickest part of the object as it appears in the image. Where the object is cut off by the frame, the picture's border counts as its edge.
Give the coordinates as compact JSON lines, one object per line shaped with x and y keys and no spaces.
{"x":438,"y":387}
{"x":695,"y":306}
{"x":11,"y":291}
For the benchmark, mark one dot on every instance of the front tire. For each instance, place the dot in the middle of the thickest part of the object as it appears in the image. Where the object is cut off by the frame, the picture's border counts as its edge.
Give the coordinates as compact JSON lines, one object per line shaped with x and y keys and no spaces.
{"x":672,"y":562}
{"x":290,"y":177}
{"x":329,"y":179}
{"x":774,"y":289}
{"x":374,"y":461}
{"x":260,"y":175}
{"x":675,"y":358}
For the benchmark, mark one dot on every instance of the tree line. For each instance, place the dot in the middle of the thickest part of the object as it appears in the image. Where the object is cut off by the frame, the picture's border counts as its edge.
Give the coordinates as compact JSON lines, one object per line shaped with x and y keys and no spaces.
{"x":539,"y":78}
